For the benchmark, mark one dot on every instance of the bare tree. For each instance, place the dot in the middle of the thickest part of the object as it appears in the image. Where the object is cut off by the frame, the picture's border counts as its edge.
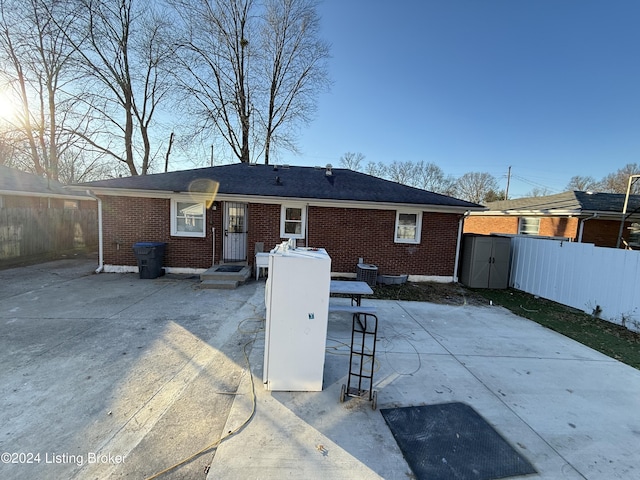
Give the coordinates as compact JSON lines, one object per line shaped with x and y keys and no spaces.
{"x":121,"y":45}
{"x":214,"y":55}
{"x":402,"y":172}
{"x":582,"y":183}
{"x":250,"y":72}
{"x":474,"y":186}
{"x":38,"y":65}
{"x":618,"y":181}
{"x":376,"y":169}
{"x":293,"y":61}
{"x":429,"y":176}
{"x":352,"y":161}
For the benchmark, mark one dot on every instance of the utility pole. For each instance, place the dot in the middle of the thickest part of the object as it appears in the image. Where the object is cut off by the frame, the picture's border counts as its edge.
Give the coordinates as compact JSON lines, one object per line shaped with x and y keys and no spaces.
{"x":166,"y":158}
{"x":506,"y":192}
{"x":212,"y":155}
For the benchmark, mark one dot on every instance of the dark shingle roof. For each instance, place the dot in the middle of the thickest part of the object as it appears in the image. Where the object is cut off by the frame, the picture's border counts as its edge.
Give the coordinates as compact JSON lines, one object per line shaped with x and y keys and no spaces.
{"x":288,"y":182}
{"x":574,"y":201}
{"x":12,"y":180}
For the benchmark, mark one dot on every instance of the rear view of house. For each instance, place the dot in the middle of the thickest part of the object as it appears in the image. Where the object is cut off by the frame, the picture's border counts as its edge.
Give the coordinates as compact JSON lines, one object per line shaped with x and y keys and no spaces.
{"x":223,"y":214}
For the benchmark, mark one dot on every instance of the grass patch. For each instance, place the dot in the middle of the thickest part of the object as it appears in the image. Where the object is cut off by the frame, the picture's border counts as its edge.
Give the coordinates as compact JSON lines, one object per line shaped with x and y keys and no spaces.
{"x":608,"y":338}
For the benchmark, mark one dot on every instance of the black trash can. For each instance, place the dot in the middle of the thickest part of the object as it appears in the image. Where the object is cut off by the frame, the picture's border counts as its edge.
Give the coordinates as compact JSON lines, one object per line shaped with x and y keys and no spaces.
{"x":150,"y":256}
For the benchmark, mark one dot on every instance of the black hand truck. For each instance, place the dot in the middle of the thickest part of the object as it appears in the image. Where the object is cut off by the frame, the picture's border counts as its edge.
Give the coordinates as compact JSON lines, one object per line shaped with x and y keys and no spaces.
{"x":363,"y":350}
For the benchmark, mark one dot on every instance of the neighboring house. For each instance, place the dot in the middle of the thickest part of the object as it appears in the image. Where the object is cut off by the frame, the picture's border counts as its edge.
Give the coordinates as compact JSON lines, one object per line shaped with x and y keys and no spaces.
{"x":219,"y":214}
{"x":40,"y":216}
{"x":578,"y":216}
{"x":21,"y":189}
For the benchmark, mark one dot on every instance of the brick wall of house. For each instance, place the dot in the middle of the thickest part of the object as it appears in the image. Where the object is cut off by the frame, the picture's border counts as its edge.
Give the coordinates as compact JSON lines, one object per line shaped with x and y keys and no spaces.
{"x":559,"y":227}
{"x":346,"y":233}
{"x":603,"y":233}
{"x":128,"y":220}
{"x":349,"y":234}
{"x":486,"y":225}
{"x":263,"y":226}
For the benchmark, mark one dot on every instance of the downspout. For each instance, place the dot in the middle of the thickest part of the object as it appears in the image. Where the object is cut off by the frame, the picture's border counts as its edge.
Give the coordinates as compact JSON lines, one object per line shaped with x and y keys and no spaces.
{"x":100,"y":238}
{"x":581,"y":229}
{"x":306,"y":226}
{"x":457,"y":260}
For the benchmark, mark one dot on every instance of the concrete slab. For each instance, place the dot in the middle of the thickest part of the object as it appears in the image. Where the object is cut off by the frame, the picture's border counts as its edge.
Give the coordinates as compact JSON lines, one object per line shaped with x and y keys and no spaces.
{"x":571,"y":411}
{"x":111,"y":376}
{"x":140,"y":372}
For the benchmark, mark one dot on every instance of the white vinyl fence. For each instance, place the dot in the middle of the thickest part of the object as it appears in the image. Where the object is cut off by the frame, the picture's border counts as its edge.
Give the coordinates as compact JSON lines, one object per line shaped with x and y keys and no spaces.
{"x":598,"y":280}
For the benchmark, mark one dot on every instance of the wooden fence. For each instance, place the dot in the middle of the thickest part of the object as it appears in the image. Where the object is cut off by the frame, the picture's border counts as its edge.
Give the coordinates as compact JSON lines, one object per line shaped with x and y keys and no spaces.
{"x":33,"y":232}
{"x":597,"y":280}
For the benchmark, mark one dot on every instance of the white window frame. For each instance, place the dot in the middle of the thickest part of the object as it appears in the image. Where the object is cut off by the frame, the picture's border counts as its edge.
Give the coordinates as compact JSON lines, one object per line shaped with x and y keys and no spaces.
{"x":523,"y":220}
{"x":418,"y":227}
{"x":283,"y":219}
{"x":174,"y":219}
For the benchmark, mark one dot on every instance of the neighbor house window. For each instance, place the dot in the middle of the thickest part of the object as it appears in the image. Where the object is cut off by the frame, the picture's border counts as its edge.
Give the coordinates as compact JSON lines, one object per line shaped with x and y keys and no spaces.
{"x":529,"y":226}
{"x":187,"y":218}
{"x":292,"y":221}
{"x":408,"y":226}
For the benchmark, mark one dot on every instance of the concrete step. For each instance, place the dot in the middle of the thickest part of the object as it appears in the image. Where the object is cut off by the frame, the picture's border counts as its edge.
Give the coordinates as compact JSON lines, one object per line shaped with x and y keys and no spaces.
{"x":219,"y":284}
{"x":219,"y":276}
{"x":218,"y":273}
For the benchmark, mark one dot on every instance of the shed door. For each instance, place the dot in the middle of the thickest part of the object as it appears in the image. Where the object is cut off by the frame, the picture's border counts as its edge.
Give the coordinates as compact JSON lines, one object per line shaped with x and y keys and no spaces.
{"x":235,"y":232}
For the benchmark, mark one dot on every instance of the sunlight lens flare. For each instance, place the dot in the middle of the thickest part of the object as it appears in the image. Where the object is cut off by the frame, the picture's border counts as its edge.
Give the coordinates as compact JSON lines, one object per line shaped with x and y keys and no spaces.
{"x":9,"y":106}
{"x":206,"y":186}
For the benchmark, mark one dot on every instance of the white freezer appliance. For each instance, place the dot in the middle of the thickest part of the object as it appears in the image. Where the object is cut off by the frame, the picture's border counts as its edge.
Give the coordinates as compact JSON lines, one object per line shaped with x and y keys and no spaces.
{"x":297,"y":304}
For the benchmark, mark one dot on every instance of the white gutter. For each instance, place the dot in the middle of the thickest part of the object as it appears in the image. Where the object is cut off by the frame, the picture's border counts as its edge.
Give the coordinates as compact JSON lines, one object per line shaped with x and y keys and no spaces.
{"x":581,"y":229}
{"x":316,"y":202}
{"x":457,"y":260}
{"x":100,"y":237}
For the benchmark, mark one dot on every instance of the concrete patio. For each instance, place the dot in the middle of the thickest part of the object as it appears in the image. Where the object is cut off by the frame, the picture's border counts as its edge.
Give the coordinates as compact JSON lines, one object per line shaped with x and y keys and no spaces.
{"x":110,"y":376}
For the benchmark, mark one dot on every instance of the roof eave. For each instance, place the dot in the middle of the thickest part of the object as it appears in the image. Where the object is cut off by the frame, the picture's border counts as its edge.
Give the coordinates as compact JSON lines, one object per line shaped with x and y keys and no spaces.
{"x":529,"y":213}
{"x":64,"y":196}
{"x":124,"y":192}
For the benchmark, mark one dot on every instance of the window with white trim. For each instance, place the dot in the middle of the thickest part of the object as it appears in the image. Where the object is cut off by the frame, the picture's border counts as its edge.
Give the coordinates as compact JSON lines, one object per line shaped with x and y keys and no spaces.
{"x":292,"y":221}
{"x":187,"y":218}
{"x":529,"y":226}
{"x":408,"y":227}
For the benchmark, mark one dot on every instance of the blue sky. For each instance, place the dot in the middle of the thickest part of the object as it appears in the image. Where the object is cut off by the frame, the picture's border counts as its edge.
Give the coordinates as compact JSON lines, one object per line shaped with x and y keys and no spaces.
{"x":548,"y":87}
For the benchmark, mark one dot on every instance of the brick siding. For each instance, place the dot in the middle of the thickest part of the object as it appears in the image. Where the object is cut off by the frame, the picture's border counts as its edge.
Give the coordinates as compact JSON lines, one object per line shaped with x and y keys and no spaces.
{"x":486,"y":225}
{"x":602,"y":233}
{"x":346,"y":233}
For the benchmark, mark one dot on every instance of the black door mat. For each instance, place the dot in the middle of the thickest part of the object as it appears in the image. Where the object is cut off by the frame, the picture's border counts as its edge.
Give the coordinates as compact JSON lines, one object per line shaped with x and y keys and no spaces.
{"x":229,"y":268}
{"x":451,"y":441}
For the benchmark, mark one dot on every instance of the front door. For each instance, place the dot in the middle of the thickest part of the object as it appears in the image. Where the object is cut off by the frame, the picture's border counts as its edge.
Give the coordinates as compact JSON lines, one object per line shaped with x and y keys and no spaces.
{"x":235,"y":232}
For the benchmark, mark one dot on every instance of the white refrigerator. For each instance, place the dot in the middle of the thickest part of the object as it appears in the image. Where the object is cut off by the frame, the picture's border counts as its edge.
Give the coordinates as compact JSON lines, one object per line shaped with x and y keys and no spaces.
{"x":297,"y":304}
